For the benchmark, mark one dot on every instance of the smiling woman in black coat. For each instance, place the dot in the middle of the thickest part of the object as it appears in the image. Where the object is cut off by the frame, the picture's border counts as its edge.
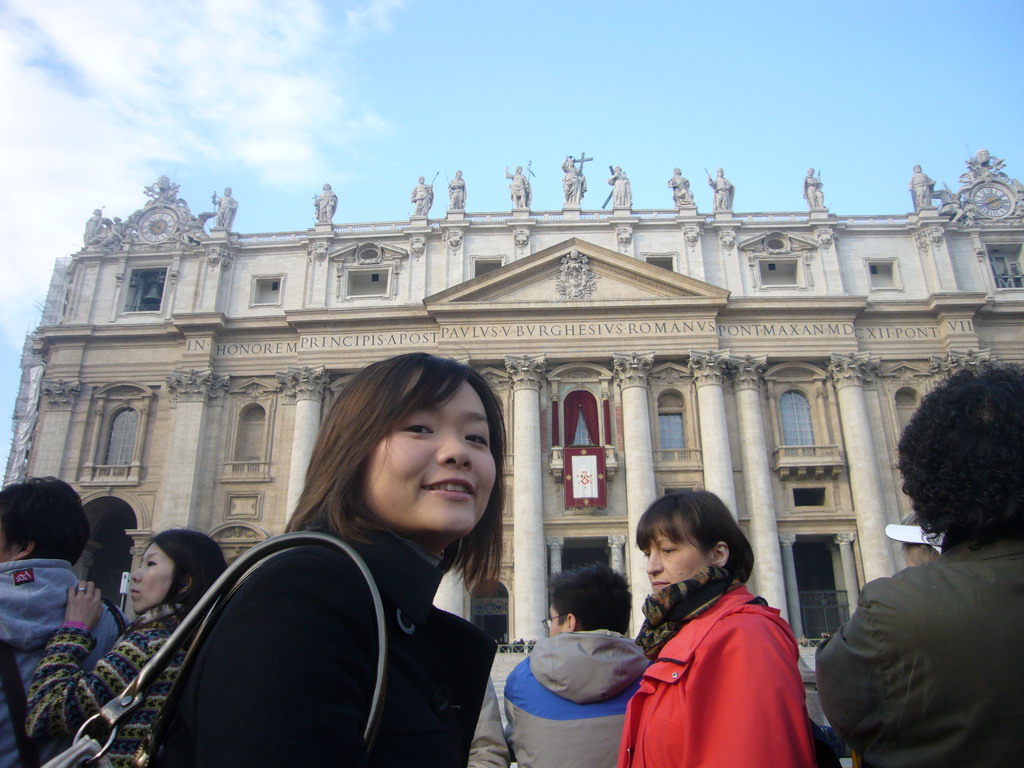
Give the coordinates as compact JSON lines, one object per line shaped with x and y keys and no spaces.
{"x":407,"y":468}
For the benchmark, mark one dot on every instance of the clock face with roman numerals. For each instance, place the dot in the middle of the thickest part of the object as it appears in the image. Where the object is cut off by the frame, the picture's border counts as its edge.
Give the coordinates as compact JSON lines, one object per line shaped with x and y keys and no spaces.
{"x":992,"y":200}
{"x":157,"y":225}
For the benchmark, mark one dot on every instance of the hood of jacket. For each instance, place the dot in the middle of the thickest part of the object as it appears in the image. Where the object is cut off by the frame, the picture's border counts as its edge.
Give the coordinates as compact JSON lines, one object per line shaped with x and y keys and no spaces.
{"x":33,"y":594}
{"x":587,"y":667}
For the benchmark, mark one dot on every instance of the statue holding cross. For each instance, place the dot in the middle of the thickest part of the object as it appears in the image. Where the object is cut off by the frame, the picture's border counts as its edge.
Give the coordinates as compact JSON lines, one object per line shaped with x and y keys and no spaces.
{"x":574,"y":183}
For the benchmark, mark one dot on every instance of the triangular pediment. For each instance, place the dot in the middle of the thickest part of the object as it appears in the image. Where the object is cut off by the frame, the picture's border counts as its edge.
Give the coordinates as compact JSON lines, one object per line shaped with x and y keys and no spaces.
{"x":578,"y":272}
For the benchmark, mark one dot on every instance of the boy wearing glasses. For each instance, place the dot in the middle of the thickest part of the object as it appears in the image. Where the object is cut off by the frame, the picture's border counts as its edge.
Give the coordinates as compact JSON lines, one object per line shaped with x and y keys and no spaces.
{"x":565,"y":704}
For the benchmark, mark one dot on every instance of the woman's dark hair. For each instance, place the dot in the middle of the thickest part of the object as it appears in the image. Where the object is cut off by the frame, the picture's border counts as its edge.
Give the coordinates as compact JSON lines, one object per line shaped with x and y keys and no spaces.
{"x":198,"y":561}
{"x":700,"y":518}
{"x":962,"y":457}
{"x":365,"y":413}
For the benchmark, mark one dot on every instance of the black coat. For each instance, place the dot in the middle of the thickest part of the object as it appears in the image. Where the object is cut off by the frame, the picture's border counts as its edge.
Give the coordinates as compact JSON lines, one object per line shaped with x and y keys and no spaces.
{"x":286,"y":676}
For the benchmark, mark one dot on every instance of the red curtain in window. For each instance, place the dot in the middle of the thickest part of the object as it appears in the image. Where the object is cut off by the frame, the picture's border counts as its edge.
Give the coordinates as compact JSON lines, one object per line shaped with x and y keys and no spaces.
{"x":577,"y":404}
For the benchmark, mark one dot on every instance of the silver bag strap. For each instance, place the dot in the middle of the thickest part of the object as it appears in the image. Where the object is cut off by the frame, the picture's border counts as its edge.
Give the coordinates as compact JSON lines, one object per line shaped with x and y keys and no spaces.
{"x":201,"y":618}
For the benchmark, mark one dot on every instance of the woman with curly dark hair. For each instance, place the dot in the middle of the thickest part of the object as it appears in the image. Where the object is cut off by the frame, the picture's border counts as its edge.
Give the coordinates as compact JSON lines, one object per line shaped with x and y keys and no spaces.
{"x":929,"y":671}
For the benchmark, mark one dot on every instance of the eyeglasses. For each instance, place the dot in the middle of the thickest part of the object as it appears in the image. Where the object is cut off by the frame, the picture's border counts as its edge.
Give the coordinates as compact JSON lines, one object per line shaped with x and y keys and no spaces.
{"x":546,"y":623}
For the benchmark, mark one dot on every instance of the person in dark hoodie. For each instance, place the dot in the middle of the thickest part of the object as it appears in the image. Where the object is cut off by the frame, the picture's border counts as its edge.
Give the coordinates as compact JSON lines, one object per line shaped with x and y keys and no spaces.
{"x":43,"y":530}
{"x":566,"y":703}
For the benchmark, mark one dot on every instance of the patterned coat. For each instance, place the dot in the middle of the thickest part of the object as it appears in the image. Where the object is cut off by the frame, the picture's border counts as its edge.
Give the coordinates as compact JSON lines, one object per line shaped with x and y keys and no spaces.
{"x":63,"y":696}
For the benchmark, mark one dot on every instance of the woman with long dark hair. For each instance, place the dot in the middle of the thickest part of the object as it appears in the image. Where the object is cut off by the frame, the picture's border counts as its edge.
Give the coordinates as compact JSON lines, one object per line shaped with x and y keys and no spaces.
{"x":723,"y":688}
{"x":407,"y":468}
{"x":177,"y":568}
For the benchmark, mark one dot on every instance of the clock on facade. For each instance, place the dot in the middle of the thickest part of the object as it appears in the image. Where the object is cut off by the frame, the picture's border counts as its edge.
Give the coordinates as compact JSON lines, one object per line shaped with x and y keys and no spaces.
{"x":992,"y":200}
{"x":158,"y":225}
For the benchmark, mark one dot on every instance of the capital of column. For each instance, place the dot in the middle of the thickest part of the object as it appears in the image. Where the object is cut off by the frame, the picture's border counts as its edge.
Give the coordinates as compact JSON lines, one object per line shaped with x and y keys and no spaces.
{"x":616,"y":541}
{"x":846,"y":538}
{"x":709,"y":367}
{"x":787,"y":539}
{"x":555,"y":542}
{"x":851,"y":369}
{"x":954,"y":361}
{"x":526,"y":371}
{"x":61,"y":394}
{"x":193,"y":385}
{"x":303,"y":383}
{"x":748,"y":371}
{"x":632,"y":368}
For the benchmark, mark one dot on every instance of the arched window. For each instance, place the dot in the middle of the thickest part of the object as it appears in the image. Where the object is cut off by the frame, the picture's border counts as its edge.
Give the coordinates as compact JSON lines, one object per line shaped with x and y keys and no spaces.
{"x":906,"y":404}
{"x":670,"y":421}
{"x":121,"y":445}
{"x":581,"y":427}
{"x":249,"y":437}
{"x":797,"y":428}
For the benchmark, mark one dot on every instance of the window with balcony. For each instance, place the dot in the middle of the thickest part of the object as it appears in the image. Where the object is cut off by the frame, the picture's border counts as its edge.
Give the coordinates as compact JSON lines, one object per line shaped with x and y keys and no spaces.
{"x":670,"y":422}
{"x":117,"y":428}
{"x":581,"y":424}
{"x":795,"y":415}
{"x":121,"y":440}
{"x":252,"y":424}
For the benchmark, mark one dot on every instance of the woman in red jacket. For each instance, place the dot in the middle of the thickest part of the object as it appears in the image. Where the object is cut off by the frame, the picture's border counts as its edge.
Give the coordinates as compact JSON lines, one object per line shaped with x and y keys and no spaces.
{"x":723,"y":689}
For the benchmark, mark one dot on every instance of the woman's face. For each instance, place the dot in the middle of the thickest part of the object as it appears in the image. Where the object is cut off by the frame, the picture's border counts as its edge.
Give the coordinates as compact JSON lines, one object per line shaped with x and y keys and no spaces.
{"x":669,"y":562}
{"x":152,"y":579}
{"x":430,"y":479}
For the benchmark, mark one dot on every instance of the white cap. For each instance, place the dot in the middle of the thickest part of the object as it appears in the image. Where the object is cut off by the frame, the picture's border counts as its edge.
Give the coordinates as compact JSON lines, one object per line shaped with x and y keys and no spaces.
{"x":910,"y":534}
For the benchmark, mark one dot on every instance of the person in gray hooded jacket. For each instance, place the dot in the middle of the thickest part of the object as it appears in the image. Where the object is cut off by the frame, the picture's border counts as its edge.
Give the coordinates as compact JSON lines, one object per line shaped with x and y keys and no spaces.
{"x":566,"y":703}
{"x":43,"y":530}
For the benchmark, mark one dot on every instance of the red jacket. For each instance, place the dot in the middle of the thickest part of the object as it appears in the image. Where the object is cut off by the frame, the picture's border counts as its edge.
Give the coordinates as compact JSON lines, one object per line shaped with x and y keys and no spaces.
{"x":725,"y":691}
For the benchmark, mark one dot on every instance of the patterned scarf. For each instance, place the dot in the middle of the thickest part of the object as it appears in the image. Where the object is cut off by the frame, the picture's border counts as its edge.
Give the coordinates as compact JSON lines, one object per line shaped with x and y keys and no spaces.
{"x":668,"y":609}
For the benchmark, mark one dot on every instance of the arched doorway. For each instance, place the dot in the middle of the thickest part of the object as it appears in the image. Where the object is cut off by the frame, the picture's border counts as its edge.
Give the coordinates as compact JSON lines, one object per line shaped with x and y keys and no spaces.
{"x":489,"y":610}
{"x":109,"y":551}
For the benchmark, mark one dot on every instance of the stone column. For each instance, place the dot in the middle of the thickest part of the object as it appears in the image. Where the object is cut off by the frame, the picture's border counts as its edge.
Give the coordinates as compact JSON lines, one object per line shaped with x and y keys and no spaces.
{"x":191,"y":390}
{"x":848,"y":374}
{"x":305,"y":386}
{"x":632,"y":370}
{"x":792,"y":591}
{"x":845,"y":542}
{"x":529,"y":575}
{"x":747,"y":377}
{"x":617,"y":545}
{"x":709,"y":369}
{"x":48,"y":447}
{"x":554,"y":554}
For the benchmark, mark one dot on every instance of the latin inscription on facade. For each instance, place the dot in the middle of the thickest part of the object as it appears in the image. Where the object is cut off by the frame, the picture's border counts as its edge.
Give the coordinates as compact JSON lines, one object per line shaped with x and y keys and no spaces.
{"x":727,"y":332}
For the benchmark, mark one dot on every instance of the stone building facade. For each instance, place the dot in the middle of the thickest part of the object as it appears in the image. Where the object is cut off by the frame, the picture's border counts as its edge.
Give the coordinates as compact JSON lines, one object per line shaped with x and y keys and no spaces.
{"x":770,"y":358}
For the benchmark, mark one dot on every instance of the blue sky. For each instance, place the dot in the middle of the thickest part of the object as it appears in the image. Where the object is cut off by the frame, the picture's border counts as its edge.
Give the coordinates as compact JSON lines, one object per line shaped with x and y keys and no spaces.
{"x":98,"y":99}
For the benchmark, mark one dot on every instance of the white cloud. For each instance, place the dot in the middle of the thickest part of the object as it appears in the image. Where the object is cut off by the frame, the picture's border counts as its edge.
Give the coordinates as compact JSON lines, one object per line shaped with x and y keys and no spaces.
{"x":98,"y":98}
{"x":375,"y":16}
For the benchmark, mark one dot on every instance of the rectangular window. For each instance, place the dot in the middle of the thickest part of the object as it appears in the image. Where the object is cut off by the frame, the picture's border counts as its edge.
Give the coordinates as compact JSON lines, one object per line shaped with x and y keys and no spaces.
{"x":267,"y":290}
{"x":665,"y":262}
{"x":670,"y":430}
{"x":145,"y":290}
{"x":1006,"y":265}
{"x":881,"y":275}
{"x":808,"y":497}
{"x":368,"y":282}
{"x":780,"y":272}
{"x":483,"y":266}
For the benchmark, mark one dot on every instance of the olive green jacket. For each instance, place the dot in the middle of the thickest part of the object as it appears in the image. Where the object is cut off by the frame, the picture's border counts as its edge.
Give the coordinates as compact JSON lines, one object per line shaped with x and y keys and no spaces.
{"x":930,"y":669}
